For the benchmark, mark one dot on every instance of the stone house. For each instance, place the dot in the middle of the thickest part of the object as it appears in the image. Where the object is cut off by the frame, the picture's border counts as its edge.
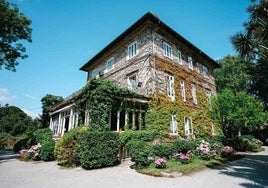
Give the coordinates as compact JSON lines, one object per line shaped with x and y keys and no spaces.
{"x":151,"y":59}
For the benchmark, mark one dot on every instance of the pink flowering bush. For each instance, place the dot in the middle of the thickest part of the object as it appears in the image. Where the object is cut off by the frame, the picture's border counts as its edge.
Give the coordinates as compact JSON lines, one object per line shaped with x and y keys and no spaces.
{"x":184,"y":158}
{"x":31,"y":154}
{"x":227,"y":151}
{"x":160,"y":163}
{"x":205,"y":151}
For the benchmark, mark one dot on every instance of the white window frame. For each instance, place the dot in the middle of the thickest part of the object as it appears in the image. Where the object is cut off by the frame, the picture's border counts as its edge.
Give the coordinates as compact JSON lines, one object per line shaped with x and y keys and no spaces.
{"x":173,"y":125}
{"x":208,"y":94}
{"x":131,"y":84}
{"x":180,"y":57}
{"x":188,"y":126}
{"x":183,"y":92}
{"x":190,"y":63}
{"x":167,"y":49}
{"x":132,"y":49}
{"x":193,"y":91}
{"x":95,"y":74}
{"x":109,"y":64}
{"x":170,"y":87}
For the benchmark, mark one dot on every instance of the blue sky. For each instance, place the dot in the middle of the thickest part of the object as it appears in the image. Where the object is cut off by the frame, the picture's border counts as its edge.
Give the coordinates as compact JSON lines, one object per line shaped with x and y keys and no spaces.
{"x":66,"y":34}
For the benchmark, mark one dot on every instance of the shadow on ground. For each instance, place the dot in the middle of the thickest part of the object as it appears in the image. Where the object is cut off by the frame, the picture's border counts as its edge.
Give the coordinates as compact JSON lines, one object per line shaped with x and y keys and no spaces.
{"x":253,"y":168}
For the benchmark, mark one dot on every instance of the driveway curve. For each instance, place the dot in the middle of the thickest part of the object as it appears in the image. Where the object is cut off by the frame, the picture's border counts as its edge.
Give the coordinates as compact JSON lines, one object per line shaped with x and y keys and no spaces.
{"x":249,"y":172}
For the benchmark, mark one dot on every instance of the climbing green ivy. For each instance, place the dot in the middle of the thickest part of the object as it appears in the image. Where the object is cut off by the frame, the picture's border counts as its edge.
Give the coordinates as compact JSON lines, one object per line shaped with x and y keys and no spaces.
{"x":99,"y":97}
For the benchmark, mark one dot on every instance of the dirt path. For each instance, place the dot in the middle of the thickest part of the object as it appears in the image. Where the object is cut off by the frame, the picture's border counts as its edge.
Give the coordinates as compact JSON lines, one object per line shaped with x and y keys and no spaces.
{"x":252,"y":171}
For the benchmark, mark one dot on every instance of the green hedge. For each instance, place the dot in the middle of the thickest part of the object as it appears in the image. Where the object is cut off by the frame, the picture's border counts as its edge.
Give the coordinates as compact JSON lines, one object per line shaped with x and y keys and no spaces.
{"x":98,"y":149}
{"x":66,"y":149}
{"x":47,"y":150}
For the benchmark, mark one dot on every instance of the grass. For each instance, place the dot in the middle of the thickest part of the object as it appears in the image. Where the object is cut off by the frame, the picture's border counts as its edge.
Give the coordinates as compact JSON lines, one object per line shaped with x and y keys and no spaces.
{"x":174,"y":166}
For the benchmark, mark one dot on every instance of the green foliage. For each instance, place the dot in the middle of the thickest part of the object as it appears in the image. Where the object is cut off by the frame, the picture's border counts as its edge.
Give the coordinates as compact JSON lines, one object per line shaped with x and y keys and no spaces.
{"x":163,"y":150}
{"x":139,"y":152}
{"x":48,"y":102}
{"x":47,"y":150}
{"x":236,"y":112}
{"x":14,"y":121}
{"x":232,"y":74}
{"x":98,"y":149}
{"x":15,"y":26}
{"x":41,"y":135}
{"x":252,"y":45}
{"x":98,"y":104}
{"x":247,"y":143}
{"x":7,"y":141}
{"x":66,"y":149}
{"x":183,"y":146}
{"x":128,"y":135}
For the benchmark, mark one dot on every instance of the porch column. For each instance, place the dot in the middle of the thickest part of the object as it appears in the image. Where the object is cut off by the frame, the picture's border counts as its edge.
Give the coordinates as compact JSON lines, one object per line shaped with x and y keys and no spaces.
{"x":118,"y":121}
{"x":126,"y":121}
{"x":59,"y":124}
{"x":133,"y":120}
{"x":71,"y":121}
{"x":140,"y":121}
{"x":51,"y":124}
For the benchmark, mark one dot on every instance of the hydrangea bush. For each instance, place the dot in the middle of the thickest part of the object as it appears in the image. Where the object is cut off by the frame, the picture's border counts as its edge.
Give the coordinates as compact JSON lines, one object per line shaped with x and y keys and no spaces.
{"x":31,"y":154}
{"x":184,"y":158}
{"x":205,"y":151}
{"x":160,"y":163}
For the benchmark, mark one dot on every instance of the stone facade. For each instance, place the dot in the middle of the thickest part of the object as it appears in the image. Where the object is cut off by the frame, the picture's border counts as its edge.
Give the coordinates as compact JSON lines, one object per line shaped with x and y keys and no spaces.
{"x":138,"y":60}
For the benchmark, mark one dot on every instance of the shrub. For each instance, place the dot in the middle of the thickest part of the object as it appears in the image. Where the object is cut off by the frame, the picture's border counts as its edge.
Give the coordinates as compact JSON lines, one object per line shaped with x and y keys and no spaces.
{"x":7,"y":141}
{"x":184,"y":158}
{"x":47,"y":150}
{"x":139,"y":152}
{"x":66,"y":149}
{"x":227,"y":151}
{"x":31,"y":154}
{"x":128,"y":135}
{"x":163,"y":150}
{"x":41,"y":135}
{"x":247,"y":143}
{"x":98,"y":149}
{"x":183,"y":146}
{"x":160,"y":163}
{"x":205,"y":152}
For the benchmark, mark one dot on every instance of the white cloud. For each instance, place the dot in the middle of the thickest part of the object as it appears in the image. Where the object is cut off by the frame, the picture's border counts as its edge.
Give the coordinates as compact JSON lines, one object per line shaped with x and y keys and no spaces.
{"x":31,"y":113}
{"x":5,"y":97}
{"x":31,"y":97}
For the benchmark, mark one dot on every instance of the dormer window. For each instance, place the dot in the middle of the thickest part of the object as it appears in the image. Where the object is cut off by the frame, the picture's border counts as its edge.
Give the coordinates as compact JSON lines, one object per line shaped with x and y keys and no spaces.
{"x":179,"y":58}
{"x":132,"y":50}
{"x":190,"y":63}
{"x":109,"y":64}
{"x":132,"y":82}
{"x":95,"y":74}
{"x":167,"y":50}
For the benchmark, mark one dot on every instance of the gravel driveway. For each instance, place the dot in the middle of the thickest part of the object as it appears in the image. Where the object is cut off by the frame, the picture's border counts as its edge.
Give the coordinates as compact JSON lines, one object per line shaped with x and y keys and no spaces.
{"x":251,"y":171}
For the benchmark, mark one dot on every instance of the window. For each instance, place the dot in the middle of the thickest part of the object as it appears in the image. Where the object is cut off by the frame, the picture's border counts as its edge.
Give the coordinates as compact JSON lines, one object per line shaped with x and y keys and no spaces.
{"x":167,"y":50}
{"x":208,"y":94}
{"x":212,"y":129}
{"x":173,"y":125}
{"x":132,"y":82}
{"x":205,"y":70}
{"x":132,"y":50}
{"x":188,"y":126}
{"x":179,"y":58}
{"x":193,"y":91}
{"x":95,"y":73}
{"x":183,"y":94}
{"x":109,"y":64}
{"x":190,"y":63}
{"x":170,"y":87}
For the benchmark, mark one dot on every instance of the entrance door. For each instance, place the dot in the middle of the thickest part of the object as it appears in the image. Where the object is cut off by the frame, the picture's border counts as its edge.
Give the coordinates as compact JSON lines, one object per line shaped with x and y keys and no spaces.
{"x":66,"y":126}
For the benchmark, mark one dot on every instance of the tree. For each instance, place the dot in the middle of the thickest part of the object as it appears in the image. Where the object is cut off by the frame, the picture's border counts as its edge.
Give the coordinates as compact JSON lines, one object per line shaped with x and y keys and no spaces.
{"x":48,"y":102}
{"x":14,"y":121}
{"x":253,"y":46}
{"x":14,"y":27}
{"x":237,"y":112}
{"x":232,"y":74}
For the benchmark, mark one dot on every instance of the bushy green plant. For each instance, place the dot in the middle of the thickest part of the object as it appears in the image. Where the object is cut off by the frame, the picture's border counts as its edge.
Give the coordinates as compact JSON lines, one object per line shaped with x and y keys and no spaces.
{"x":247,"y":143}
{"x":41,"y":135}
{"x":163,"y":150}
{"x":98,"y":149}
{"x":47,"y":150}
{"x":7,"y":141}
{"x":139,"y":152}
{"x":66,"y":149}
{"x":128,"y":135}
{"x":183,"y":146}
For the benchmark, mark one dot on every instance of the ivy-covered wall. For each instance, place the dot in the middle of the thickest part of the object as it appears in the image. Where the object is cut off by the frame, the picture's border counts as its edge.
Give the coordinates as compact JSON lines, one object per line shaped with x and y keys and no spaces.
{"x":161,"y":107}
